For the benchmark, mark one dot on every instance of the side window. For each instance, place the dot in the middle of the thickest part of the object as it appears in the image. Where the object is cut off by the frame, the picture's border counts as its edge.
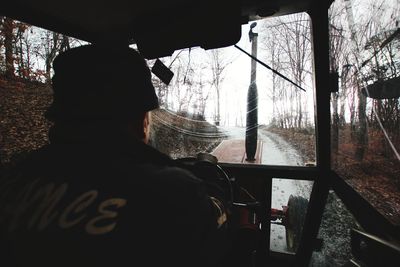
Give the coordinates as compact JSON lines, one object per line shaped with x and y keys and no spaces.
{"x":26,"y":56}
{"x":365,"y":43}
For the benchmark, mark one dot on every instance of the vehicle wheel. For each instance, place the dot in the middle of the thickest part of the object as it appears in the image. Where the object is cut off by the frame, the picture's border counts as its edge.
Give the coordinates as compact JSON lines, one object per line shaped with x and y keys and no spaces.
{"x":295,"y":216}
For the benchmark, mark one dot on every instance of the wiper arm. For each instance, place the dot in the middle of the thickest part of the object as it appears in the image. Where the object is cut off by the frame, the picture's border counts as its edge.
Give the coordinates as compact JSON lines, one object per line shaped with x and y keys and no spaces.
{"x":268,"y":67}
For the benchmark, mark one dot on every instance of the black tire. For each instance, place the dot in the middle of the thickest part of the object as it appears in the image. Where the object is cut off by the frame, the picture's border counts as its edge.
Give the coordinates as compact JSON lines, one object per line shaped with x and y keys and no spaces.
{"x":296,"y":213}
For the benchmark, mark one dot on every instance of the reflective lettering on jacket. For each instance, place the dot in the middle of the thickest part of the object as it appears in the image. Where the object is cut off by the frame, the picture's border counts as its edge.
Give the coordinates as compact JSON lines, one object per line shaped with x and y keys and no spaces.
{"x":36,"y":207}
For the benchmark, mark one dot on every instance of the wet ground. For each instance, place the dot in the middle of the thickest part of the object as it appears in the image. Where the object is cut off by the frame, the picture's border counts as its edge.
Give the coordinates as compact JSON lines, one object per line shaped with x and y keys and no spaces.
{"x":277,"y":151}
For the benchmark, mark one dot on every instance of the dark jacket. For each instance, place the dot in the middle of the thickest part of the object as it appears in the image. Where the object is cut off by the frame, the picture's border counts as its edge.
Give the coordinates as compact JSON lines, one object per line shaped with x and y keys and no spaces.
{"x":95,"y":198}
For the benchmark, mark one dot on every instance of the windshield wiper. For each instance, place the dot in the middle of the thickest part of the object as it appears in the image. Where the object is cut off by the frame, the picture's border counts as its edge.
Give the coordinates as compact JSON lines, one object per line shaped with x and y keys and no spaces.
{"x":268,"y":67}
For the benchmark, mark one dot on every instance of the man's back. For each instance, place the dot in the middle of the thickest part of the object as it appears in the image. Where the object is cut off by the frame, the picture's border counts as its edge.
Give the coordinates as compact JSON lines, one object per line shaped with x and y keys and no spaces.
{"x":98,"y":195}
{"x":101,"y":205}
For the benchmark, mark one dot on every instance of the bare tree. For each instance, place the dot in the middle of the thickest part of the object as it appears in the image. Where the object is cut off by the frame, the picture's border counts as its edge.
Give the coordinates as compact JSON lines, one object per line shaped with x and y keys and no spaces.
{"x":337,"y":57}
{"x":370,"y":34}
{"x":362,"y":137}
{"x":163,"y":90}
{"x":290,"y":51}
{"x":8,"y":26}
{"x":218,"y":63}
{"x":383,"y":67}
{"x":183,"y":85}
{"x":270,"y":45}
{"x":22,"y":50}
{"x":202,"y":93}
{"x":51,"y":44}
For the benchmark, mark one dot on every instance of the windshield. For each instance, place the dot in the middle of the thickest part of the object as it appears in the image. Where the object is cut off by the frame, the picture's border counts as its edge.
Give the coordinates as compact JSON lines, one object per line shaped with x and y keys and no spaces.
{"x":215,"y":95}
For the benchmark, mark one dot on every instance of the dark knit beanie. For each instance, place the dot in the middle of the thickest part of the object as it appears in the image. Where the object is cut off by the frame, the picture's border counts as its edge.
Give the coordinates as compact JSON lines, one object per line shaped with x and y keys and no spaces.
{"x":96,"y":82}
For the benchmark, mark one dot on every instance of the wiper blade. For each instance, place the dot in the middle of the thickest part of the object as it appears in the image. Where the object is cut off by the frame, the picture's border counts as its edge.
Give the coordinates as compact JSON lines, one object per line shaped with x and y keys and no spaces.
{"x":268,"y":67}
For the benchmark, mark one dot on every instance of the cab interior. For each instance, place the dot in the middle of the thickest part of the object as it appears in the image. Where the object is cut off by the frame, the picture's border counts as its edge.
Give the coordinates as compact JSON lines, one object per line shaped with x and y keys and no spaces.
{"x":160,"y":28}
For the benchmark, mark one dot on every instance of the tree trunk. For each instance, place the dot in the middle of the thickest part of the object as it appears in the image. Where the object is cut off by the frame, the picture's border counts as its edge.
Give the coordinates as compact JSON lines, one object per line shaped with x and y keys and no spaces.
{"x":65,"y":43}
{"x":28,"y":59}
{"x":342,"y":96}
{"x":8,"y":45}
{"x":218,"y":115}
{"x":352,"y":114}
{"x":335,"y":127}
{"x":300,"y":112}
{"x":51,"y":55}
{"x":362,"y":135}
